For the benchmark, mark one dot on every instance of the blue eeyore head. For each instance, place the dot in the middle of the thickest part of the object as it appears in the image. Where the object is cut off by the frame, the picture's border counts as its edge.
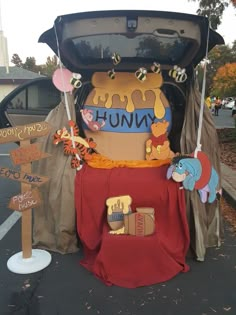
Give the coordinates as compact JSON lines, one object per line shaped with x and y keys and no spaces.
{"x":185,"y":169}
{"x":195,"y":173}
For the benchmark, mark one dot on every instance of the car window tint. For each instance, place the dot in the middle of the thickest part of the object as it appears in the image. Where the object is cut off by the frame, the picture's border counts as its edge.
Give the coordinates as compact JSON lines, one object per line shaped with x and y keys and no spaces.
{"x":169,"y":49}
{"x":40,"y":96}
{"x":18,"y":102}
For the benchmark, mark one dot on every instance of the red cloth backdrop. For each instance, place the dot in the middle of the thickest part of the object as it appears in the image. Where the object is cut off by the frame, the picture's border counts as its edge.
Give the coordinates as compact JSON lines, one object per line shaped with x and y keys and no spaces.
{"x":124,"y":260}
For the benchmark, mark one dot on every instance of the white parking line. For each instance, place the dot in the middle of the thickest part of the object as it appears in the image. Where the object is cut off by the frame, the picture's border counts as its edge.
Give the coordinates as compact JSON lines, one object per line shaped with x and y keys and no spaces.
{"x":8,"y":224}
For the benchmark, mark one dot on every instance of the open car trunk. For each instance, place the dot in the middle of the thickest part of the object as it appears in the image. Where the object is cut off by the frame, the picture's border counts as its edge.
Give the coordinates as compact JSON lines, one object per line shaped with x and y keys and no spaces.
{"x":87,"y":43}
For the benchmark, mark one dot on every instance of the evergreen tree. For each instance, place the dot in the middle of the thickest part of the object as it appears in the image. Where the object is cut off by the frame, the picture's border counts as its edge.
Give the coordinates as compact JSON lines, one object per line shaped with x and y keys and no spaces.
{"x":50,"y":66}
{"x":30,"y":64}
{"x":16,"y":60}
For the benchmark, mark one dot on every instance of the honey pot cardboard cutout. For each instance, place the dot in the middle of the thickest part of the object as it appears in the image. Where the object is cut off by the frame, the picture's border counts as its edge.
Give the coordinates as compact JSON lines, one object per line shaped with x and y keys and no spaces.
{"x":122,"y":220}
{"x":123,"y":109}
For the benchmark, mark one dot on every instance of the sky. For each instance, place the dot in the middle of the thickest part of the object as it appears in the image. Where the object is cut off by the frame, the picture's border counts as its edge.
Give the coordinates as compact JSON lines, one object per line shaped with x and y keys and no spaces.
{"x":23,"y":21}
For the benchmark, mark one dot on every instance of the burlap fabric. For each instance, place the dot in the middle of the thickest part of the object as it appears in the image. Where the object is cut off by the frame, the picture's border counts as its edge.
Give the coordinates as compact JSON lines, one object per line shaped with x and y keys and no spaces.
{"x":54,"y":222}
{"x":204,"y":219}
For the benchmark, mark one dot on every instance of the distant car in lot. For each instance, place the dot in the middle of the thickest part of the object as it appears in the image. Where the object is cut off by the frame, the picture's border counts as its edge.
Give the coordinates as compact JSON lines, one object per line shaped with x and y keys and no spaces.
{"x":227,"y":100}
{"x":229,"y":105}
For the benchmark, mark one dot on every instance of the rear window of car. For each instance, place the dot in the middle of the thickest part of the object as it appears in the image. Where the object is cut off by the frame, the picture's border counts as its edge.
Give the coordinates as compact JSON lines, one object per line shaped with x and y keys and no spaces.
{"x":168,"y":49}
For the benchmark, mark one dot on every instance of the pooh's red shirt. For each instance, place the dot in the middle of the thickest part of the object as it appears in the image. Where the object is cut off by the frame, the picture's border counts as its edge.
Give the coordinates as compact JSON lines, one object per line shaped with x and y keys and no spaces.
{"x":159,"y":140}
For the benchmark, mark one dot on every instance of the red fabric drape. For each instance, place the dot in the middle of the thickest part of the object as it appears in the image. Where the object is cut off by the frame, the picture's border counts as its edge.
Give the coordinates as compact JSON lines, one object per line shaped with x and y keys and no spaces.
{"x":125,"y":260}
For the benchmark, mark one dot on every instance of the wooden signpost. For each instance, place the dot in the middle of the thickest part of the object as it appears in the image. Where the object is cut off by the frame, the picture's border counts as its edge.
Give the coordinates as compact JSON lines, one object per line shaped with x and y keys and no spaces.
{"x":25,"y":132}
{"x":27,"y":154}
{"x":23,"y":177}
{"x":26,"y":261}
{"x":27,"y":200}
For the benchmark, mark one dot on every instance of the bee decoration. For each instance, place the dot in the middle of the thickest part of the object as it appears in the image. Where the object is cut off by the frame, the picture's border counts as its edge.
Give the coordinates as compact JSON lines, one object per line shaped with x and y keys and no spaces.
{"x":75,"y":80}
{"x":141,"y":74}
{"x":178,"y":74}
{"x":181,"y":76}
{"x":116,"y":58}
{"x":111,"y":74}
{"x":156,"y":67}
{"x":173,"y":72}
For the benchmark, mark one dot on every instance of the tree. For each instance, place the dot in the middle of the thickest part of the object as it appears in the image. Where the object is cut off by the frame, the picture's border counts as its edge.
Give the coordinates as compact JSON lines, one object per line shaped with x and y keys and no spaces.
{"x":233,"y":48}
{"x":224,"y":82}
{"x":214,"y":10}
{"x":30,"y":64}
{"x":50,"y":66}
{"x":16,"y":60}
{"x":218,"y":57}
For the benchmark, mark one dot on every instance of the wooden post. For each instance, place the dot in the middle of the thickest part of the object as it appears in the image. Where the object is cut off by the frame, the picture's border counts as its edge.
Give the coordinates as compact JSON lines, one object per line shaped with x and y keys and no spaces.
{"x":28,"y":198}
{"x":26,"y":221}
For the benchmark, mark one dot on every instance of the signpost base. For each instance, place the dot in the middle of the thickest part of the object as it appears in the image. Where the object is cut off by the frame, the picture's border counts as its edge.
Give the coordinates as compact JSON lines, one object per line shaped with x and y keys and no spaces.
{"x":39,"y":260}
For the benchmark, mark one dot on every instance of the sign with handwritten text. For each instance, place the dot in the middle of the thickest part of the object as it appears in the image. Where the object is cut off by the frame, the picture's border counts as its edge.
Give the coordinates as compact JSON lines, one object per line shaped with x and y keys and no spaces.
{"x":26,"y":200}
{"x":19,"y":133}
{"x":32,"y":179}
{"x":27,"y":154}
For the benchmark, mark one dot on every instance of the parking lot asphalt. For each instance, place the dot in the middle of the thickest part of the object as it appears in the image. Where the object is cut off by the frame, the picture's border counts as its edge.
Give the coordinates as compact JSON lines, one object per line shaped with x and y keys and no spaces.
{"x":66,"y":288}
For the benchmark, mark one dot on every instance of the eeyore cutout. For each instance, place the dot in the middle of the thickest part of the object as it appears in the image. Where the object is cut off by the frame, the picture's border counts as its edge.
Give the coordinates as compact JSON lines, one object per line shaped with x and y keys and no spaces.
{"x":195,"y":173}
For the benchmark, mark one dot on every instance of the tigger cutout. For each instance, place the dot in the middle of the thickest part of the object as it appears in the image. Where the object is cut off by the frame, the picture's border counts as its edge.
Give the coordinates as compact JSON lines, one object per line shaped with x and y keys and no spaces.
{"x":82,"y":147}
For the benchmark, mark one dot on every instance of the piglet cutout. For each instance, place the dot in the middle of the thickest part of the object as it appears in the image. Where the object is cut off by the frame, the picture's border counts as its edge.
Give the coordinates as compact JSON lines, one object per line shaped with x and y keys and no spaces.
{"x":87,"y":115}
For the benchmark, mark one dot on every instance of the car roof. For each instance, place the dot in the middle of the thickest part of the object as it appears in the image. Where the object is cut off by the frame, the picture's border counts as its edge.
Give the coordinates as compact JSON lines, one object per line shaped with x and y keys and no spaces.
{"x":86,"y":41}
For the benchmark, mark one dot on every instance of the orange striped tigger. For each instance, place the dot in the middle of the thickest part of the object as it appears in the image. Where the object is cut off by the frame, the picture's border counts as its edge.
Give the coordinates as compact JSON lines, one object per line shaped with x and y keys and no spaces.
{"x":82,"y":147}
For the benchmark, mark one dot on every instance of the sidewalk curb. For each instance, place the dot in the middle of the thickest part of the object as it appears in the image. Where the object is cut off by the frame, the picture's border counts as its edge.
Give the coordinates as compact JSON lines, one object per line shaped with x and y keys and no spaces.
{"x":227,"y":195}
{"x":229,"y":184}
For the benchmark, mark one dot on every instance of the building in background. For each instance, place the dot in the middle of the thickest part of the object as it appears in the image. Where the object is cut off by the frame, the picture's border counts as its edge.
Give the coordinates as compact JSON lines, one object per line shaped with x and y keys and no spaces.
{"x":4,"y":58}
{"x":10,"y":77}
{"x":14,"y":77}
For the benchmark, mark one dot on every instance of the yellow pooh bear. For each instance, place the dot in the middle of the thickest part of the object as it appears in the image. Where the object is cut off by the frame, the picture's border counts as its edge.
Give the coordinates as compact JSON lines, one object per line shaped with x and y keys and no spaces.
{"x":158,"y":145}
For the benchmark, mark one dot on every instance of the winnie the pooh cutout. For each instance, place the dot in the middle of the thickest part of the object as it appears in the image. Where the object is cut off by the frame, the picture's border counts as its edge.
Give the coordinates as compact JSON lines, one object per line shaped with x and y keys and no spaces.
{"x":158,"y":145}
{"x":125,"y":108}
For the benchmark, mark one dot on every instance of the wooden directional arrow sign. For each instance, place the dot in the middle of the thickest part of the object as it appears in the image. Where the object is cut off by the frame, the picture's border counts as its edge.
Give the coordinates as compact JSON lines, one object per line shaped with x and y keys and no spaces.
{"x":26,"y":200}
{"x":27,"y":154}
{"x":25,"y":132}
{"x":32,"y":179}
{"x":24,"y":155}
